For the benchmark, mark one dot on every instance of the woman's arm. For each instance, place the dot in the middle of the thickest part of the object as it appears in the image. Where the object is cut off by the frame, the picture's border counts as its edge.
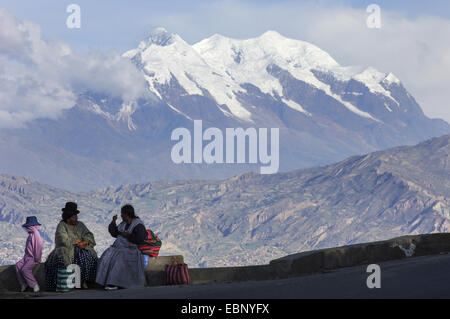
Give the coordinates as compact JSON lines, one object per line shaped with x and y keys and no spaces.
{"x":87,"y":237}
{"x":37,"y":249}
{"x":113,"y":230}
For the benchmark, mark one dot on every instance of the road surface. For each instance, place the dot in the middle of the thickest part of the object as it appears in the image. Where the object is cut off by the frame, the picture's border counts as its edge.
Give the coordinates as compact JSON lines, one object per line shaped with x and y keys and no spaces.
{"x":420,"y":277}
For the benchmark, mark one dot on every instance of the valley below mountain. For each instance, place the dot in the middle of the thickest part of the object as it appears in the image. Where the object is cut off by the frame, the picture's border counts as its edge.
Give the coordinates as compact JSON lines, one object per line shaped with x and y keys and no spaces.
{"x":251,"y":218}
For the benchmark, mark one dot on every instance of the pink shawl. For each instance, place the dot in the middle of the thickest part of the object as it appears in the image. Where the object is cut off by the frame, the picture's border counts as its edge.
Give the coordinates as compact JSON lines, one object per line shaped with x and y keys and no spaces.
{"x":33,"y":247}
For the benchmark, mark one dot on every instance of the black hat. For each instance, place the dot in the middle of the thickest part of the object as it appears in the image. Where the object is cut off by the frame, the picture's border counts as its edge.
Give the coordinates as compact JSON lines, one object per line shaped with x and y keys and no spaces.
{"x":31,"y":221}
{"x":69,"y":210}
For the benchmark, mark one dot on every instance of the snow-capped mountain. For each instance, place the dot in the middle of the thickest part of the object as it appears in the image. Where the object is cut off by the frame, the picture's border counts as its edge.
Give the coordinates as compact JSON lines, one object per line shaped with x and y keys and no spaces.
{"x":324,"y":111}
{"x":220,"y":67}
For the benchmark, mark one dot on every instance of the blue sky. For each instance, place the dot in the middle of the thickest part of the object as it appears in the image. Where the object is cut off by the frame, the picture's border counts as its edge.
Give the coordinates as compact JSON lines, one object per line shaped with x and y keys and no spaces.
{"x":412,"y":43}
{"x":122,"y":24}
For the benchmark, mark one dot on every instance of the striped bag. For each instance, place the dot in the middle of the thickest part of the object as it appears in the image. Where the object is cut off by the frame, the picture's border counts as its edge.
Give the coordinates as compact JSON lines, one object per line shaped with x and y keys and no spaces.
{"x":152,"y":244}
{"x":177,"y":274}
{"x":62,"y":278}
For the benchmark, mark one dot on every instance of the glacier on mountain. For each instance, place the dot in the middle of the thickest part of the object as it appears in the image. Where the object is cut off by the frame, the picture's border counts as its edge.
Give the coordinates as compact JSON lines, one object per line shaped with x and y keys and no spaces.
{"x":220,"y":66}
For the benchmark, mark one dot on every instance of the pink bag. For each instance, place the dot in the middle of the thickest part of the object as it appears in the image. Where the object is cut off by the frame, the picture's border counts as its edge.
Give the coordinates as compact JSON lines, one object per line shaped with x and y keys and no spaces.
{"x":177,"y":274}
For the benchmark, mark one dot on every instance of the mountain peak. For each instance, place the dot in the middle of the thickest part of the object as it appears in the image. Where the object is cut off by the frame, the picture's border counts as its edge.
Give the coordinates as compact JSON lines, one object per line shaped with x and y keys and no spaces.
{"x":272,"y":34}
{"x":391,"y":78}
{"x":160,"y":36}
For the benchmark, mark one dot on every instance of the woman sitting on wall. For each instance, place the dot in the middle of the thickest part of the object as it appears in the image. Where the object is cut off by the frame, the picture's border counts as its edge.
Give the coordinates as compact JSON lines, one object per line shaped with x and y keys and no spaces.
{"x":122,"y":264}
{"x":74,"y":244}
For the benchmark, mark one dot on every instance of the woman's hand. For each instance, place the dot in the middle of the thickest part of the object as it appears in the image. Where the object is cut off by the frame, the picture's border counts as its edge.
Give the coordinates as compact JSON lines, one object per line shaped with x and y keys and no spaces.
{"x":114,"y":219}
{"x":83,"y":244}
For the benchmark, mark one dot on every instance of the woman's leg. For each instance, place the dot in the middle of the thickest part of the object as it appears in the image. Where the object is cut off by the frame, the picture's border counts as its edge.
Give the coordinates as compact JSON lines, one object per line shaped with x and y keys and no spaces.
{"x":27,"y":272}
{"x":20,"y":279}
{"x":51,"y":272}
{"x":87,"y":263}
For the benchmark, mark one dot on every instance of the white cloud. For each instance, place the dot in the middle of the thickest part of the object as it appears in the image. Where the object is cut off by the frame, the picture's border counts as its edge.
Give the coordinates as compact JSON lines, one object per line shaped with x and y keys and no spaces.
{"x":416,"y":50}
{"x":41,"y":78}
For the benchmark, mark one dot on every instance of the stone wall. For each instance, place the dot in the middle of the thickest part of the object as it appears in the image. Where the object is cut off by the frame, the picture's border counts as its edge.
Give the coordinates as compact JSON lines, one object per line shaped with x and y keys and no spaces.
{"x":290,"y":266}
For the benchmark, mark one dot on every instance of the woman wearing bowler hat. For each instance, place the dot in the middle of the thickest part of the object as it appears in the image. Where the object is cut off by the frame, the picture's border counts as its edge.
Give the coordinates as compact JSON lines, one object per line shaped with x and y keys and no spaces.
{"x":32,"y":257}
{"x":74,"y":244}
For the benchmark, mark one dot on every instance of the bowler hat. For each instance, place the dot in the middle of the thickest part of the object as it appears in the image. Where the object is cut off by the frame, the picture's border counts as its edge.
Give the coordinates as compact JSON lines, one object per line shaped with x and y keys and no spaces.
{"x":31,"y":221}
{"x":69,"y":210}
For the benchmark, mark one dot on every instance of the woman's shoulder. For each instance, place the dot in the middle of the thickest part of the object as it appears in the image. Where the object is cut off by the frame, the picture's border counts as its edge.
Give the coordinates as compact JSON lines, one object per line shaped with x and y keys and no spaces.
{"x":61,"y":224}
{"x":62,"y":228}
{"x":140,"y":226}
{"x":81,"y":225}
{"x":139,"y":222}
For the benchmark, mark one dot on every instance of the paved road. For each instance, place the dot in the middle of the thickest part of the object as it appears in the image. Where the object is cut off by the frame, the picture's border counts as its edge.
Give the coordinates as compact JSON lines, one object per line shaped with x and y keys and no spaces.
{"x":421,"y":277}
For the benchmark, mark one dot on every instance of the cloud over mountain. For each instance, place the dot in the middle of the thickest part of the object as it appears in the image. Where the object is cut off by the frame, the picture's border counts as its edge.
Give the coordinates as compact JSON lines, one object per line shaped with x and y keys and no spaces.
{"x":40,"y":78}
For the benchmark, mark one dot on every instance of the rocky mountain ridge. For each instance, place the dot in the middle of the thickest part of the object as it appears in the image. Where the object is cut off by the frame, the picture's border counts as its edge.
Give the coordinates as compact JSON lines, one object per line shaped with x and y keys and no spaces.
{"x":253,"y":218}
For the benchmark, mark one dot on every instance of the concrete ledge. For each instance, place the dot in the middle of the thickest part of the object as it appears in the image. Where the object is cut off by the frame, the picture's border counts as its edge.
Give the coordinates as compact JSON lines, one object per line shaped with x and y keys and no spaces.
{"x":360,"y":254}
{"x":154,"y":272}
{"x":230,"y":274}
{"x":310,"y":262}
{"x":8,"y":277}
{"x":216,"y":275}
{"x":318,"y":261}
{"x":158,"y":263}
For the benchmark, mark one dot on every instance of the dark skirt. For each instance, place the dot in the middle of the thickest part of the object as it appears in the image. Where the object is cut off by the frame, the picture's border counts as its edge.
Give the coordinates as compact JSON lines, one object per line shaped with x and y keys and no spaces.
{"x":82,"y":258}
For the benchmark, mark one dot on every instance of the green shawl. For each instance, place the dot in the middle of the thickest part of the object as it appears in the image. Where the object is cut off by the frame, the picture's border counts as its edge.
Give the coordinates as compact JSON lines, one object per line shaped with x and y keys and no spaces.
{"x":65,"y":237}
